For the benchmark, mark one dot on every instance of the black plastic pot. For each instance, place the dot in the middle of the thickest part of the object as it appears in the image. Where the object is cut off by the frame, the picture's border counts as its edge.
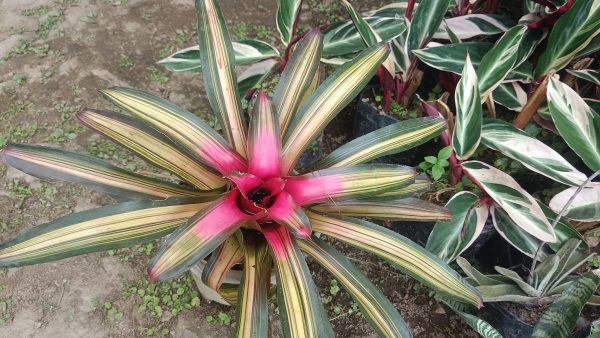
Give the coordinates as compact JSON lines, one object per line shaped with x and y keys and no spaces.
{"x":510,"y":326}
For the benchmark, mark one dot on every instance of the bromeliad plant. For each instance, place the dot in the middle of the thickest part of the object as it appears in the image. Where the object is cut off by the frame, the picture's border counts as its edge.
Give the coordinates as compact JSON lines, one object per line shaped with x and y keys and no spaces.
{"x":242,"y":202}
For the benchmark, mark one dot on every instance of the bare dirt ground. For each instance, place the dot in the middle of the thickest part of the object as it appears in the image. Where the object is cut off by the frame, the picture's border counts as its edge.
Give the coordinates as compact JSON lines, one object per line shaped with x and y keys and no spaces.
{"x":56,"y":55}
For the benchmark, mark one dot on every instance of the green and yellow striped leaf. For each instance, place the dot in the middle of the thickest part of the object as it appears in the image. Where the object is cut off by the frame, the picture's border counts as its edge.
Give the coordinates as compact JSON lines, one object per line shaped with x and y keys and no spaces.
{"x":218,"y":70}
{"x":421,"y":184}
{"x":511,"y":95}
{"x":201,"y":234}
{"x":56,"y":164}
{"x":288,"y":12}
{"x":467,"y":128}
{"x":297,"y":77}
{"x":518,"y":204}
{"x":221,"y":261}
{"x":388,"y":140}
{"x":300,"y":308}
{"x":472,"y":25}
{"x":151,"y":146}
{"x":427,"y":18}
{"x":328,"y":100}
{"x":500,"y":60}
{"x":245,"y":52}
{"x":584,"y":208}
{"x":400,"y":251}
{"x":376,"y":308}
{"x":532,"y":153}
{"x":576,"y":122}
{"x":450,"y":238}
{"x":186,"y":129}
{"x":111,"y":227}
{"x":405,"y":209}
{"x":571,"y":33}
{"x":253,"y":306}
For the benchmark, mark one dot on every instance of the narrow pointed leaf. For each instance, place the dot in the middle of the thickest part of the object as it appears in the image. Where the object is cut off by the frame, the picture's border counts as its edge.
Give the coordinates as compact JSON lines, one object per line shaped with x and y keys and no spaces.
{"x":111,"y":227}
{"x":471,"y":25}
{"x":264,"y":140}
{"x":480,"y":326}
{"x":218,"y":65}
{"x":152,"y":146}
{"x":288,"y":12}
{"x":342,"y":38}
{"x":517,"y":203}
{"x":245,"y":52}
{"x":55,"y":164}
{"x":181,"y":126}
{"x":376,"y":308}
{"x":500,"y":60}
{"x":297,"y":77}
{"x":406,"y":255}
{"x":285,"y":211}
{"x":571,"y":33}
{"x":253,"y":304}
{"x":511,"y":95}
{"x":406,"y":209}
{"x":532,"y":153}
{"x":254,"y":75}
{"x":221,"y":261}
{"x":202,"y":234}
{"x":329,"y":99}
{"x":388,"y":140}
{"x":467,"y":128}
{"x":450,"y":238}
{"x":576,"y":122}
{"x":300,"y":307}
{"x":587,"y":74}
{"x":584,"y":208}
{"x":421,"y":184}
{"x":564,"y":230}
{"x":366,"y":180}
{"x":592,"y":47}
{"x":427,"y":18}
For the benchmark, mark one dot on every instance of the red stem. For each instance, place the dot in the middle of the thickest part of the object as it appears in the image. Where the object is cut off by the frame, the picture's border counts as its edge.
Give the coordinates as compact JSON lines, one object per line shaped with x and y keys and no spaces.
{"x":549,"y":20}
{"x":409,"y":9}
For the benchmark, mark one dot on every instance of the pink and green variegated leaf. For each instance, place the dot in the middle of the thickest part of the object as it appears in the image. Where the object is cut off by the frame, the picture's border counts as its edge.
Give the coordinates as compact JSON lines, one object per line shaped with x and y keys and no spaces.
{"x":398,"y":250}
{"x":365,"y":180}
{"x":297,"y":77}
{"x":264,"y":140}
{"x":576,"y":122}
{"x":288,"y":14}
{"x":376,"y":308}
{"x":300,"y":307}
{"x":285,"y":211}
{"x":328,"y":100}
{"x":218,"y":70}
{"x":467,"y":128}
{"x":518,"y":204}
{"x":585,"y":207}
{"x":202,"y":234}
{"x":449,"y":239}
{"x":388,"y":140}
{"x":221,"y":261}
{"x":405,"y":209}
{"x":111,"y":227}
{"x":252,"y":304}
{"x":56,"y":164}
{"x":181,"y":126}
{"x":151,"y":145}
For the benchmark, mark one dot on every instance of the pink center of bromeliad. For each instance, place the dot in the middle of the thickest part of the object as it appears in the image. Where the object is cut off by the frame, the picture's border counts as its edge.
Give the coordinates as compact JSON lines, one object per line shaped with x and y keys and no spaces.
{"x":257,"y":195}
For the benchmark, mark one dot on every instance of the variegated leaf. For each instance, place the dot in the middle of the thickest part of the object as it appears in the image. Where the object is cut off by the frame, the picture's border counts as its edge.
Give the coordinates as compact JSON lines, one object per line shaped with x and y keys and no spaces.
{"x":471,"y":25}
{"x":576,"y":122}
{"x":101,"y":229}
{"x":288,"y":12}
{"x":400,"y":251}
{"x":511,"y":95}
{"x":388,"y":140}
{"x":585,"y":207}
{"x":587,"y":74}
{"x":591,"y":48}
{"x":517,"y":202}
{"x":532,"y":153}
{"x":376,"y":308}
{"x":467,"y":128}
{"x":254,"y":75}
{"x":220,"y":262}
{"x":450,"y":238}
{"x":427,"y":18}
{"x":218,"y":70}
{"x":420,"y":185}
{"x":517,"y":237}
{"x":245,"y":52}
{"x":571,"y":33}
{"x":329,"y":98}
{"x":56,"y":164}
